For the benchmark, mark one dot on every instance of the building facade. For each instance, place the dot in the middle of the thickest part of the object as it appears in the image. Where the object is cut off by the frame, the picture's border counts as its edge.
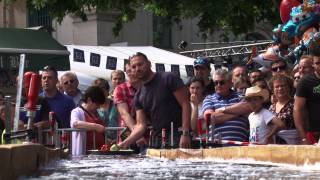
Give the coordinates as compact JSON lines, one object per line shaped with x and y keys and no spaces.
{"x":145,"y":30}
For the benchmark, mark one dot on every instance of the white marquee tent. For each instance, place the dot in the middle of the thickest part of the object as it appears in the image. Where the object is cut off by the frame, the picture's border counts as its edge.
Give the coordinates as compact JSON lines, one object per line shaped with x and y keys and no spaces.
{"x":100,"y":61}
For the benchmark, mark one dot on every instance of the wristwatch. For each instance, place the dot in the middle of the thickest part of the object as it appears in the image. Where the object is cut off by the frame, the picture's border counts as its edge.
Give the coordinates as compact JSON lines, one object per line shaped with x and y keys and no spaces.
{"x":185,"y":133}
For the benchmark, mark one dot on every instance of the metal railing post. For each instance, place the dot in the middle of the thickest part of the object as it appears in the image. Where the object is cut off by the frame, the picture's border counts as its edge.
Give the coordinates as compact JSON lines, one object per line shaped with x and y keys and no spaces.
{"x":70,"y":141}
{"x":94,"y":140}
{"x":56,"y":135}
{"x":59,"y":136}
{"x":40,"y":135}
{"x":7,"y":100}
{"x":105,"y":136}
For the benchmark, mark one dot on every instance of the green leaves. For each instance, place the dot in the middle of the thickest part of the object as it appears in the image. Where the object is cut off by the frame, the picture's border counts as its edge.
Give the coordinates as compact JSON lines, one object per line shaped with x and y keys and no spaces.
{"x":238,"y":16}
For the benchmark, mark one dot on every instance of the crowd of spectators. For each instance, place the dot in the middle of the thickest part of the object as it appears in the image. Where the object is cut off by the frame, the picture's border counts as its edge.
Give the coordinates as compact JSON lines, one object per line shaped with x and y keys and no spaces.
{"x":278,"y":105}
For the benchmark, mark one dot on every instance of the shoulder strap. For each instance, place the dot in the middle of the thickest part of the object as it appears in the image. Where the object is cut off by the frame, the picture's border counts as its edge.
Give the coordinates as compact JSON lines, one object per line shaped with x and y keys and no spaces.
{"x":86,"y":111}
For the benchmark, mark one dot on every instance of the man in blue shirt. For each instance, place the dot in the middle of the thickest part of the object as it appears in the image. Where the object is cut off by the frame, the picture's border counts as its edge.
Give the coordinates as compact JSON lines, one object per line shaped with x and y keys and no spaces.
{"x":227,"y":110}
{"x":59,"y":103}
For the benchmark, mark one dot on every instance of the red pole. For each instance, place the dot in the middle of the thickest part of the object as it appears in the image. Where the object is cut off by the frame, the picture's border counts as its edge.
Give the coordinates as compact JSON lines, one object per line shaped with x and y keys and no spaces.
{"x":207,"y":119}
{"x":51,"y":122}
{"x":33,"y":91}
{"x":200,"y":127}
{"x":163,"y":138}
{"x":26,"y":81}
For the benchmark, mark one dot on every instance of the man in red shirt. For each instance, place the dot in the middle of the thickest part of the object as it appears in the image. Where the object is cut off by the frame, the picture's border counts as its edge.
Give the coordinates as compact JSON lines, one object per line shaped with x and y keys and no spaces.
{"x":123,"y":99}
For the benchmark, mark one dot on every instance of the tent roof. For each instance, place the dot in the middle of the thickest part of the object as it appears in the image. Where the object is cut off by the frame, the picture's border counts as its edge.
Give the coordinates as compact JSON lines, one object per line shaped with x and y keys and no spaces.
{"x":26,"y":41}
{"x":154,"y":54}
{"x":100,"y":61}
{"x":40,"y":48}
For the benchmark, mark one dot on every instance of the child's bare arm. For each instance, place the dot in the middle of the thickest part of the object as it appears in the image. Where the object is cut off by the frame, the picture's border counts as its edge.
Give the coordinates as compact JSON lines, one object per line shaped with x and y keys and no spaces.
{"x":276,"y":124}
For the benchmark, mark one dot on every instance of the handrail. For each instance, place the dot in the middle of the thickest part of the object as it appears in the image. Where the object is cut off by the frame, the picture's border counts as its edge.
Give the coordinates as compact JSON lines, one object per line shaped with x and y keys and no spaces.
{"x":57,"y":139}
{"x":81,"y":130}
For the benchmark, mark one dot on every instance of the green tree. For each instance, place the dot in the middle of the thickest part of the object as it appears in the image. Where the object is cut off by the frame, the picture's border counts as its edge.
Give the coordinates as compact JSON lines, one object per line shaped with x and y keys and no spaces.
{"x":236,"y":16}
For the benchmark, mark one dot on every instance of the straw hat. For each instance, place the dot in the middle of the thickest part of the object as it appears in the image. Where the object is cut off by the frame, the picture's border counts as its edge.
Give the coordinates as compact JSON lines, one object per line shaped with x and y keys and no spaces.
{"x":257,"y":91}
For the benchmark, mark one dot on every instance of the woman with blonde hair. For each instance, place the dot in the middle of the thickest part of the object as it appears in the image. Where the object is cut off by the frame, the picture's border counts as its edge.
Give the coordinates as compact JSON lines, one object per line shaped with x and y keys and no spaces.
{"x":282,"y":87}
{"x":117,"y":77}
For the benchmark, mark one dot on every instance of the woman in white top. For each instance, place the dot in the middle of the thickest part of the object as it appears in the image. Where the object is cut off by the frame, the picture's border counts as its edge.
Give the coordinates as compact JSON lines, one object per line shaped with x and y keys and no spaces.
{"x":86,"y":117}
{"x":196,"y":92}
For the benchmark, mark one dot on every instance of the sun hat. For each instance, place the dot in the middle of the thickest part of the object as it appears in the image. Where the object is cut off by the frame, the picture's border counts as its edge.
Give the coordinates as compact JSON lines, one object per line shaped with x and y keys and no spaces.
{"x":257,"y":91}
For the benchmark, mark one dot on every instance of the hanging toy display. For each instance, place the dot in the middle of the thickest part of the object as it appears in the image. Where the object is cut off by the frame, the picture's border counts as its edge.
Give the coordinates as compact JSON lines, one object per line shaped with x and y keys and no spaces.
{"x":265,"y":59}
{"x":314,"y":47}
{"x":298,"y":35}
{"x":285,"y":9}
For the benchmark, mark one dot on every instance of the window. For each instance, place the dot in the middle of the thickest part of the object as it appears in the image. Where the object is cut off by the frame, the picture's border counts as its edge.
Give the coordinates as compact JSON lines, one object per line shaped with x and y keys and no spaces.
{"x":39,"y":17}
{"x":162,"y":32}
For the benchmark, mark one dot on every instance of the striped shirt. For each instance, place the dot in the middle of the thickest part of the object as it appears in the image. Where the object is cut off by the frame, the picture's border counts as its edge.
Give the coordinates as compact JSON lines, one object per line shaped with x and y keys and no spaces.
{"x":236,"y":129}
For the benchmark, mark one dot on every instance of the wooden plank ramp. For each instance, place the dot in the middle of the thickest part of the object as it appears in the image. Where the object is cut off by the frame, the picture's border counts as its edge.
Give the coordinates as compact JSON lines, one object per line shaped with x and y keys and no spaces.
{"x":284,"y":154}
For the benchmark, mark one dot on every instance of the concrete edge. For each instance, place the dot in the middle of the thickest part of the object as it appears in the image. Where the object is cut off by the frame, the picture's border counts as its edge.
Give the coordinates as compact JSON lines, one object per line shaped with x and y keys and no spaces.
{"x":283,"y":154}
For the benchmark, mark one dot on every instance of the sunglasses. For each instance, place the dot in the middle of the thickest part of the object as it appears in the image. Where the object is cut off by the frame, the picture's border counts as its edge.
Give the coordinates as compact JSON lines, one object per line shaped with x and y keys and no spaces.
{"x":317,"y":63}
{"x":221,"y":83}
{"x":296,"y":78}
{"x":71,"y":81}
{"x":279,"y":68}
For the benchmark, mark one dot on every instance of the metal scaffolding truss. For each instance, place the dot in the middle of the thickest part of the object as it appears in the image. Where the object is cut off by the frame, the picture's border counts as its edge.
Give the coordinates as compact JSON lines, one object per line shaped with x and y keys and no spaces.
{"x":221,"y":52}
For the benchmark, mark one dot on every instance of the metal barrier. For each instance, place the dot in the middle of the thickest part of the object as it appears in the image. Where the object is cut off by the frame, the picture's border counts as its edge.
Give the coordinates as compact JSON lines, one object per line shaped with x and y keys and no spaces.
{"x":57,"y":138}
{"x":53,"y":135}
{"x":12,"y":134}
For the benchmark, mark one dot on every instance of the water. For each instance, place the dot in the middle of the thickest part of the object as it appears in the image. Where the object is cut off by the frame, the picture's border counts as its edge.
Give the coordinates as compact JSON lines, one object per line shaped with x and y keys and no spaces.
{"x":140,"y":167}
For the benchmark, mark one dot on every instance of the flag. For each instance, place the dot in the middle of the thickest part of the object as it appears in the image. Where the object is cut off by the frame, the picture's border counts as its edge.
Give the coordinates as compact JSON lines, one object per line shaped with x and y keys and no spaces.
{"x":95,"y":59}
{"x":189,"y":70}
{"x":78,"y":55}
{"x":111,"y":63}
{"x":175,"y":69}
{"x":160,"y":67}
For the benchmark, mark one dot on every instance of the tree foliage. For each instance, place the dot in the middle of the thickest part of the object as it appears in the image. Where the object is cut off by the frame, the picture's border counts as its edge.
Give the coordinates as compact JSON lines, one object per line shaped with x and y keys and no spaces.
{"x":237,"y":16}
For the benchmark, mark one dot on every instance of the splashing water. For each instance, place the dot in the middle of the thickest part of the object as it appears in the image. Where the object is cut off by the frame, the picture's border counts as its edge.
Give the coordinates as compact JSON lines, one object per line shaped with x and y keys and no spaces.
{"x":141,"y":167}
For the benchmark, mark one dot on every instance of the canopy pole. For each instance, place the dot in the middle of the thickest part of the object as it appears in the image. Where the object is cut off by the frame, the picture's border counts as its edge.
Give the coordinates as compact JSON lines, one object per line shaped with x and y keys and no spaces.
{"x":19,"y":92}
